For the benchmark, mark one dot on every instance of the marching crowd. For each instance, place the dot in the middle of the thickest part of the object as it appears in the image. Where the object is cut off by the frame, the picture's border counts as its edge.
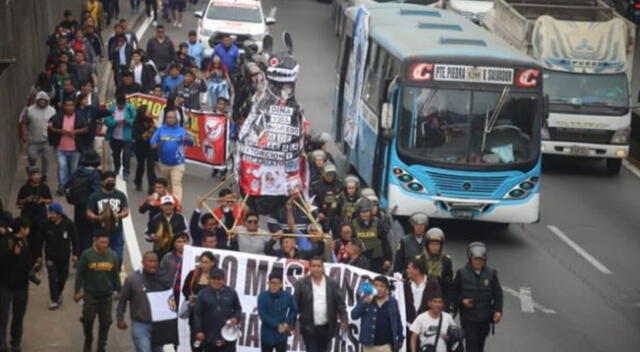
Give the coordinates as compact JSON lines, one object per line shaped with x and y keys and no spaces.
{"x":342,"y":223}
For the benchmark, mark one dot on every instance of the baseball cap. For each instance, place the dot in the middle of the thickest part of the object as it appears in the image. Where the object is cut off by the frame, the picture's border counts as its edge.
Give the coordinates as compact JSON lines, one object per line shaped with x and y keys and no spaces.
{"x":216,"y":274}
{"x":56,"y":207}
{"x":192,"y":32}
{"x":32,"y":170}
{"x":167,"y":200}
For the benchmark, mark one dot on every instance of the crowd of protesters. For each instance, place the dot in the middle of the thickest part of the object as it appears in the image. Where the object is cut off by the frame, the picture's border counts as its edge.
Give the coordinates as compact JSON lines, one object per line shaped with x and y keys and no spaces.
{"x":344,"y":223}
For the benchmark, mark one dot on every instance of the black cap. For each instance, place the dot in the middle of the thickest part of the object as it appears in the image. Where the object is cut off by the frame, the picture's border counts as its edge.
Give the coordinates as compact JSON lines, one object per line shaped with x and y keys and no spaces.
{"x":184,"y":45}
{"x":192,"y":32}
{"x":32,"y":170}
{"x":216,"y":274}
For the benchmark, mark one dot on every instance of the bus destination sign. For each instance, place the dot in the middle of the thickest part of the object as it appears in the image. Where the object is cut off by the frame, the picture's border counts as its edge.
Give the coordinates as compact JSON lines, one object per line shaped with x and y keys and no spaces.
{"x":477,"y":74}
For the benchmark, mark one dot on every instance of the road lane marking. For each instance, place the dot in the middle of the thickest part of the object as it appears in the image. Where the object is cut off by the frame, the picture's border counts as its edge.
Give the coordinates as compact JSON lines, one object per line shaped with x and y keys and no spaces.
{"x":130,"y":238}
{"x":629,"y":166}
{"x":143,"y":28}
{"x":536,"y":305}
{"x":526,"y":300}
{"x":576,"y":247}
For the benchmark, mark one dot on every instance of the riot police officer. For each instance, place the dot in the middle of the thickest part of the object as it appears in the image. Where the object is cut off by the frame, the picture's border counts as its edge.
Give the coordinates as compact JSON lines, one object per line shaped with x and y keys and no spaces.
{"x":376,"y":211}
{"x":316,"y":163}
{"x":437,"y":264}
{"x":412,"y":244}
{"x":478,"y":295}
{"x":326,"y":190}
{"x":344,"y":207}
{"x":367,"y":228}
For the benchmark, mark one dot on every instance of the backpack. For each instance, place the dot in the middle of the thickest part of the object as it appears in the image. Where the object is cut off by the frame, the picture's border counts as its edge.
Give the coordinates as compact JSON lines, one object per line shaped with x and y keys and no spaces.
{"x":78,"y":189}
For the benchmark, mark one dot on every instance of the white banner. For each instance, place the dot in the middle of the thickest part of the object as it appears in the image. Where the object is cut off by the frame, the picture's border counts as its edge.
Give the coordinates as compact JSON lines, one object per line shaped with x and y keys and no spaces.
{"x":356,"y":76}
{"x":248,"y":275}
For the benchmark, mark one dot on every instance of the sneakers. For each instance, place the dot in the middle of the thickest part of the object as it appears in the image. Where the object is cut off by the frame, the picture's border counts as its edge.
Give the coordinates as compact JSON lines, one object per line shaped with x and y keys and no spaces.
{"x":155,"y":23}
{"x":139,"y":188}
{"x":179,"y":24}
{"x":54,"y":305}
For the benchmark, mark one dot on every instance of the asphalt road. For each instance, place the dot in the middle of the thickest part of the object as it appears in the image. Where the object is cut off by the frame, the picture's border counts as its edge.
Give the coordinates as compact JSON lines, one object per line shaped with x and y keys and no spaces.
{"x":555,"y":299}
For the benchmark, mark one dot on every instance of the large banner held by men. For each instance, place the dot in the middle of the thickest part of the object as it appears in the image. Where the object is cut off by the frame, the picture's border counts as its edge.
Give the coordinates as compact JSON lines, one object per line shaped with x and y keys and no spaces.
{"x":209,"y":131}
{"x":248,"y":275}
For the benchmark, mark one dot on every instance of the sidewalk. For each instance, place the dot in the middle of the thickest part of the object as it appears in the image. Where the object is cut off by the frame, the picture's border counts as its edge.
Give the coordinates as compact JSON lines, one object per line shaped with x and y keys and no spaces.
{"x":61,"y":330}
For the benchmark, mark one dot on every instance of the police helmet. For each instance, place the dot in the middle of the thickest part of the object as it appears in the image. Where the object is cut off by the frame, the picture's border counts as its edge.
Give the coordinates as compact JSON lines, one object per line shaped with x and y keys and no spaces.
{"x":329,"y":168}
{"x":370,"y":194}
{"x":477,"y":250}
{"x":318,"y":154}
{"x":352,"y":179}
{"x":364,"y":205}
{"x":419,"y":218}
{"x":435,"y":234}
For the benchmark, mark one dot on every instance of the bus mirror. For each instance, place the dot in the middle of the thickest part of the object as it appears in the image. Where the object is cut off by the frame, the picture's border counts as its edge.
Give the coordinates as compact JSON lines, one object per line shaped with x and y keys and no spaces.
{"x":198,"y":14}
{"x":545,"y":107}
{"x":387,"y":116}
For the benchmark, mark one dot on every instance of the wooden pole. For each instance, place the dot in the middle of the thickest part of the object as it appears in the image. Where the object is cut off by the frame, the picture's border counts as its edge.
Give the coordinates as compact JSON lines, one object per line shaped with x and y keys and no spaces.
{"x":204,"y":204}
{"x":249,"y":233}
{"x":217,"y":187}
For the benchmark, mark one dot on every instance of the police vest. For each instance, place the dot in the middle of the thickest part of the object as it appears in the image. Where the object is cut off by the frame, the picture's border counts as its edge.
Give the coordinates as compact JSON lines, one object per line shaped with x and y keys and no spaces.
{"x":348,"y":208}
{"x":478,"y":288}
{"x":369,"y":236}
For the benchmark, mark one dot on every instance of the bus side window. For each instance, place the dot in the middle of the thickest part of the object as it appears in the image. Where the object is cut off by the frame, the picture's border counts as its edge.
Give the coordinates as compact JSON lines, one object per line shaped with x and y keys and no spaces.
{"x":369,"y":73}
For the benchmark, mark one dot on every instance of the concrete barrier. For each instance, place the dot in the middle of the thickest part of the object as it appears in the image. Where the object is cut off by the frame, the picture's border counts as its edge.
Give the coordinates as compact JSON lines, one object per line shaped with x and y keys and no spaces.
{"x":24,"y":27}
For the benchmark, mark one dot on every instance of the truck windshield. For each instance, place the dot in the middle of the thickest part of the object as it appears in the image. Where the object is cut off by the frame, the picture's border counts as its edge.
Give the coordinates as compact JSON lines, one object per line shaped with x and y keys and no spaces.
{"x":581,"y":93}
{"x":233,"y":12}
{"x":463,"y":127}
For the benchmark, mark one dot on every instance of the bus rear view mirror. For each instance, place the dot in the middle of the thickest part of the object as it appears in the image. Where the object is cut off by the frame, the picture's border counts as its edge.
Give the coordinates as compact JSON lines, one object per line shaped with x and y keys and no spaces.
{"x":198,"y":14}
{"x":386,"y":121}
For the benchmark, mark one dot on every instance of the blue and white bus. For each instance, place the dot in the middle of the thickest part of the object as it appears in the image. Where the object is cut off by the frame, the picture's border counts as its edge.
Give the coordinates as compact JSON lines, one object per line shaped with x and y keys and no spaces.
{"x":450,"y":118}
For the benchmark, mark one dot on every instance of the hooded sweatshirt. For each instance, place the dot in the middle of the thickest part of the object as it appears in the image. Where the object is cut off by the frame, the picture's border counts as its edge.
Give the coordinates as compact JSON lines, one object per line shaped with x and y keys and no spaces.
{"x":37,"y":120}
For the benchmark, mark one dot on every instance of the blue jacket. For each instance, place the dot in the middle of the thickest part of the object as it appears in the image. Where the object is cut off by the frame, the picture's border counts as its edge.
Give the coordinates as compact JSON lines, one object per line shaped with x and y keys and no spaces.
{"x":367,"y":313}
{"x":170,"y":144}
{"x":129,"y":117}
{"x":196,"y":50}
{"x":274,"y":310}
{"x":170,"y":82}
{"x":229,"y":56}
{"x":213,"y":309}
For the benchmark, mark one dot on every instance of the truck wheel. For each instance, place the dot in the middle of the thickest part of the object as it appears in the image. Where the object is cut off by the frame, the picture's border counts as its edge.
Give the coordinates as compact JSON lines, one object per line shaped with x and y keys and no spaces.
{"x":613,"y":166}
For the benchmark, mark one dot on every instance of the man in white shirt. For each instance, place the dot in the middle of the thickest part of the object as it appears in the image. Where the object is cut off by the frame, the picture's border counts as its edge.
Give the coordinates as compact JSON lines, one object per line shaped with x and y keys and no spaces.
{"x":248,"y":243}
{"x":321,"y":308}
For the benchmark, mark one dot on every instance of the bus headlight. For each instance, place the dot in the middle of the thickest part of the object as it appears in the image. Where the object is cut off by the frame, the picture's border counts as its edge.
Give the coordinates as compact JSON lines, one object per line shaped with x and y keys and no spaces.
{"x":523,"y":189}
{"x":544,"y":133}
{"x":621,"y":136}
{"x":409,"y":182}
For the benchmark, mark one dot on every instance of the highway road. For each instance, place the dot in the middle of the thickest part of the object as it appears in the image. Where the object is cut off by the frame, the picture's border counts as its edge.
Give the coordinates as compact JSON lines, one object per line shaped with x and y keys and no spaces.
{"x":570,"y":280}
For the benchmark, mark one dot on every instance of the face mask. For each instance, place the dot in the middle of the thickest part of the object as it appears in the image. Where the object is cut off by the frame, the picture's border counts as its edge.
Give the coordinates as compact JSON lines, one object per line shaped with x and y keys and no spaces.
{"x":109,"y":186}
{"x":226,"y":209}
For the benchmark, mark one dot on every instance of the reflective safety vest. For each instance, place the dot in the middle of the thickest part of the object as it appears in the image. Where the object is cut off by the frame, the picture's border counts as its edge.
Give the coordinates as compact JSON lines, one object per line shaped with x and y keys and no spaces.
{"x":348,"y":207}
{"x":369,"y":236}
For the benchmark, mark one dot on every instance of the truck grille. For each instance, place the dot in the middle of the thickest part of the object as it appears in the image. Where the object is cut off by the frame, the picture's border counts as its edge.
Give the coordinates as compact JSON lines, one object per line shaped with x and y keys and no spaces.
{"x":580,"y":135}
{"x":466,"y":186}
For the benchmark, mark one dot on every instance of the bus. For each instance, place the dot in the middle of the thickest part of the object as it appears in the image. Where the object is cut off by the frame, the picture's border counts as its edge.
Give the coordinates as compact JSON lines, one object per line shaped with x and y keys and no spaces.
{"x":450,"y":116}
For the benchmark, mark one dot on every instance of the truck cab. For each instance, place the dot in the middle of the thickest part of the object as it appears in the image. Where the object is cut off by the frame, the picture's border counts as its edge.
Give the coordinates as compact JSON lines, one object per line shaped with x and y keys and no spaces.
{"x":586,"y":49}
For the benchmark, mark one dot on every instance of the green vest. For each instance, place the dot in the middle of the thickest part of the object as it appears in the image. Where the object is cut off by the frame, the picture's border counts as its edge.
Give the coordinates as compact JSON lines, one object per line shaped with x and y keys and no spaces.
{"x":478,"y":288}
{"x":369,"y":236}
{"x":348,"y":208}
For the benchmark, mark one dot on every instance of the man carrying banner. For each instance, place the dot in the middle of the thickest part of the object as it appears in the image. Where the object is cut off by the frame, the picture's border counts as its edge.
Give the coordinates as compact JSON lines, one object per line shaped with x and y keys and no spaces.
{"x":216,"y":306}
{"x":134,"y":291}
{"x":321,"y":307}
{"x":277,"y":310}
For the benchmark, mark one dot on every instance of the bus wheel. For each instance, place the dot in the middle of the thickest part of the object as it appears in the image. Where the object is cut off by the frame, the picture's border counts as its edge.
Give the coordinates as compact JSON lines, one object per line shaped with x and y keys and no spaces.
{"x":613,"y":166}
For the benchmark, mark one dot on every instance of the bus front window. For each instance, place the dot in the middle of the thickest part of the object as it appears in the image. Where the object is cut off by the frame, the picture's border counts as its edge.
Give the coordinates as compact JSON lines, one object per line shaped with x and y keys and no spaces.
{"x":463,"y":127}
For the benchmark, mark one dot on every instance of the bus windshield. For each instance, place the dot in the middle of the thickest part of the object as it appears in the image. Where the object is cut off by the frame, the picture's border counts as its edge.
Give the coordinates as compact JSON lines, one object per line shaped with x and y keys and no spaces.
{"x":464,"y":127}
{"x":587,"y":93}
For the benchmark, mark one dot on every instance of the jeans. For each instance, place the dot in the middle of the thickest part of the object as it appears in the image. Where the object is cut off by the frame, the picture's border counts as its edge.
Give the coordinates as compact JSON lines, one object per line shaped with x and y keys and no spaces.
{"x":117,"y":245}
{"x":281,"y":347}
{"x":58,"y":271}
{"x":121,"y":153}
{"x":100,"y":306}
{"x":67,"y":164}
{"x":42,"y":150}
{"x":174,"y":174}
{"x":475,"y":335}
{"x":145,"y":157}
{"x":135,"y":5}
{"x":141,"y":336}
{"x":217,"y":89}
{"x":320,"y":341}
{"x":14,"y":301}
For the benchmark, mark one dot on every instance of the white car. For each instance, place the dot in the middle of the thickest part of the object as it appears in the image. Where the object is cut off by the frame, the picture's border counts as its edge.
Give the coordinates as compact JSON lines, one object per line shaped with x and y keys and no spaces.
{"x":242,"y":19}
{"x":474,"y":10}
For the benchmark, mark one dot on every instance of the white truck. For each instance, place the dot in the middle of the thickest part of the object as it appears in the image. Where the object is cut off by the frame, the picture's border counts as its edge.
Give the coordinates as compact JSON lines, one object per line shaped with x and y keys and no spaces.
{"x":586,"y":48}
